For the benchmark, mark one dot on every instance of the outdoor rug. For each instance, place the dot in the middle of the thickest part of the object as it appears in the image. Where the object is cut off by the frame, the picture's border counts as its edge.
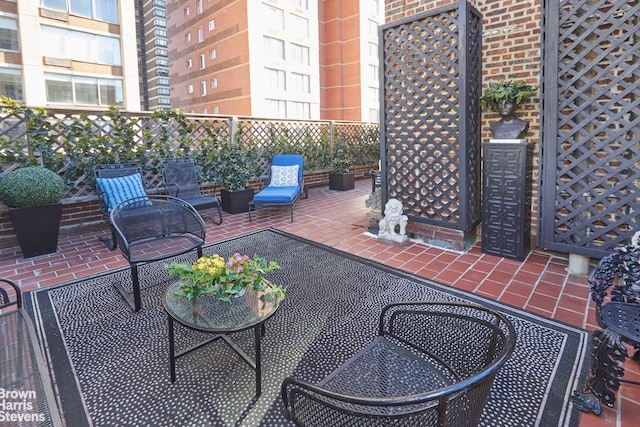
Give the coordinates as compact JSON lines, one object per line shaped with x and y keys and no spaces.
{"x":110,"y":365}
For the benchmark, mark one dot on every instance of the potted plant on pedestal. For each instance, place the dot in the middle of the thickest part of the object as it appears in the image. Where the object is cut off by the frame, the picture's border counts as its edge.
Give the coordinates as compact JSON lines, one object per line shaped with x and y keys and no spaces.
{"x":32,"y":195}
{"x":341,"y":179}
{"x":235,"y":167}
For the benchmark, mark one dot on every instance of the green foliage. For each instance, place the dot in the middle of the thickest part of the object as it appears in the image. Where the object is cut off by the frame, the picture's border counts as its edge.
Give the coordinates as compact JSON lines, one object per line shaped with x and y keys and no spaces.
{"x":341,"y":158}
{"x":514,"y":91}
{"x":30,"y":187}
{"x":235,"y":164}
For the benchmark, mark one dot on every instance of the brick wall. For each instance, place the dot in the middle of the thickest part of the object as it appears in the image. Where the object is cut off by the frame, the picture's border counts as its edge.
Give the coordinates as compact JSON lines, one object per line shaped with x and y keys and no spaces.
{"x":510,"y":50}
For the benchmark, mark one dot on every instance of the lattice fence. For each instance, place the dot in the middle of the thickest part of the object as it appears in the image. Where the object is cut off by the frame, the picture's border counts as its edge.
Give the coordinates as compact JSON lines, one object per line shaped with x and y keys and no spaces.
{"x":431,"y":133}
{"x":590,"y":194}
{"x":71,"y":142}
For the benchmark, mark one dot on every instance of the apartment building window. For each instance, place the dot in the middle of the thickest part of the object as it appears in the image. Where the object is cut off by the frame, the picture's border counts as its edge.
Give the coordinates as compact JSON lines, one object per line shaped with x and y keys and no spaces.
{"x":300,"y":54}
{"x":301,"y":26}
{"x":162,"y":62}
{"x":65,"y":89}
{"x":278,"y":108}
{"x":162,"y":52}
{"x":215,"y":110}
{"x":159,"y":12}
{"x":214,"y":83}
{"x":187,"y":11}
{"x":302,"y":82}
{"x":203,"y":88}
{"x":374,"y":93}
{"x":102,"y":10}
{"x":160,"y":23}
{"x":200,"y":34}
{"x":159,"y":3}
{"x":275,"y":18}
{"x":304,"y":4}
{"x":202,"y":63}
{"x":160,"y":42}
{"x":9,"y":34}
{"x":373,"y":49}
{"x":190,"y":89}
{"x":163,"y":91}
{"x":160,"y":32}
{"x":276,"y":79}
{"x":80,"y":46}
{"x":212,"y":25}
{"x":373,"y":28}
{"x":274,"y":48}
{"x":373,"y":72}
{"x":204,"y":110}
{"x":199,"y":6}
{"x":212,"y":54}
{"x":374,"y":115}
{"x":301,"y":110}
{"x":11,"y":84}
{"x":189,"y":63}
{"x":164,"y":101}
{"x":187,"y":37}
{"x":162,"y":81}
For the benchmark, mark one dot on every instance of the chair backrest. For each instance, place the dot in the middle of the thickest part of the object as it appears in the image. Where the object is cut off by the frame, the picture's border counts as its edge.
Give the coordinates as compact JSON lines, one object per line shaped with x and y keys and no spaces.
{"x":181,"y":178}
{"x":619,"y":271}
{"x":118,"y":182}
{"x":9,"y":294}
{"x":288,"y":160}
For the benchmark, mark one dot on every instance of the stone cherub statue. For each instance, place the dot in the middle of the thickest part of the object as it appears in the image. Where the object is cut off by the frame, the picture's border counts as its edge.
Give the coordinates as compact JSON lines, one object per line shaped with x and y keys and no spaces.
{"x":393,"y":218}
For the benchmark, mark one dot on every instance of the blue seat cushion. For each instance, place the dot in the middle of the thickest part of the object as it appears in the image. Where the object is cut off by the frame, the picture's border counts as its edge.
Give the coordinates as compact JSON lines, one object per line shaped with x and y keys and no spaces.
{"x":118,"y":189}
{"x":277,"y":194}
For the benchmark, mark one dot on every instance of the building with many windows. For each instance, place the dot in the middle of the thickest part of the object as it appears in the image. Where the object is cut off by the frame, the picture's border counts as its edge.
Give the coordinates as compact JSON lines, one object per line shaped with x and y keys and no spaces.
{"x":69,"y":53}
{"x":296,"y":59}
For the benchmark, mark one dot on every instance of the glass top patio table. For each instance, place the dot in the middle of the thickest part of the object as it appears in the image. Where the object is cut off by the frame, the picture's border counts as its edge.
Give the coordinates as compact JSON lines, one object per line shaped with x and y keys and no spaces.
{"x":208,"y":314}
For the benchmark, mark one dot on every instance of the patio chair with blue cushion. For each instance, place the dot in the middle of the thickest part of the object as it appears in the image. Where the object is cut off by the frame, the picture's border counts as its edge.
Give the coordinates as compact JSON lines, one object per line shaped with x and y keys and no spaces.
{"x":182,"y":181}
{"x":114,"y":184}
{"x":285,"y":184}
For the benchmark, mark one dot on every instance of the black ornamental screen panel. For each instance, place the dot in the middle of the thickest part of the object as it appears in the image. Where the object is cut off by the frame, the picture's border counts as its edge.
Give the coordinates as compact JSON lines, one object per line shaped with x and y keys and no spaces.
{"x":590,"y":178}
{"x":430,"y":121}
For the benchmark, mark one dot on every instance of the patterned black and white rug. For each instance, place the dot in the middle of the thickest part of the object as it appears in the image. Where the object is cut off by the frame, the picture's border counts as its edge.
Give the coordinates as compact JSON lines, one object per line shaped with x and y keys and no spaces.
{"x":110,"y":365}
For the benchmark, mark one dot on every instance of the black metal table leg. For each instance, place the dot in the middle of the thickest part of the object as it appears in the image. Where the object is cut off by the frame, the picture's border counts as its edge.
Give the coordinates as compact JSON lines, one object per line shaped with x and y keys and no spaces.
{"x":257,"y":331}
{"x":172,"y":351}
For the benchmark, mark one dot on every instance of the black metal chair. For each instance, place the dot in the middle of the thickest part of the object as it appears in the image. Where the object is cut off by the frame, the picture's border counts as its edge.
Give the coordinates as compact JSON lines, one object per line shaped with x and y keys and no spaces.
{"x":182,"y":181}
{"x":115,"y":183}
{"x":433,"y":363}
{"x":153,"y":228}
{"x":615,"y":289}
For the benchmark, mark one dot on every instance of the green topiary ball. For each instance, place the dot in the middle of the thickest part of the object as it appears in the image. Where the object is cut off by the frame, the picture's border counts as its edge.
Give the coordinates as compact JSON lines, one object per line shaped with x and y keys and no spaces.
{"x":31,"y":186}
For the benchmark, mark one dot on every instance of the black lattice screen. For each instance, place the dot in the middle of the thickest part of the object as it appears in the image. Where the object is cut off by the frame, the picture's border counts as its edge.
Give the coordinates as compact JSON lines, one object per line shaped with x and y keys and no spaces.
{"x":591,"y":128}
{"x":431,"y":71}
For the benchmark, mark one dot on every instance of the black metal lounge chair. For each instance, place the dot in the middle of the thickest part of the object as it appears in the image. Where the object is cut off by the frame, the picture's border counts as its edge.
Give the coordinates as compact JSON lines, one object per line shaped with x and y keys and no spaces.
{"x":153,"y":228}
{"x":182,"y":181}
{"x":115,"y":183}
{"x":615,"y":289}
{"x":432,"y":364}
{"x":285,"y":184}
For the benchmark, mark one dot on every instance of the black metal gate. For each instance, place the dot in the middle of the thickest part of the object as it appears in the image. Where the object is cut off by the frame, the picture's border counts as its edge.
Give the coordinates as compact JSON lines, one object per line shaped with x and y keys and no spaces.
{"x":430,"y":124}
{"x":589,"y":194}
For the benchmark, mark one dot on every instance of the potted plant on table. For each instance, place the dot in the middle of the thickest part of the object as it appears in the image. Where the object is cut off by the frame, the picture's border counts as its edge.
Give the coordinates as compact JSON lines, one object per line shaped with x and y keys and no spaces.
{"x":235,"y":167}
{"x":341,"y":178}
{"x":504,"y":98}
{"x":33,"y":196}
{"x":225,"y":279}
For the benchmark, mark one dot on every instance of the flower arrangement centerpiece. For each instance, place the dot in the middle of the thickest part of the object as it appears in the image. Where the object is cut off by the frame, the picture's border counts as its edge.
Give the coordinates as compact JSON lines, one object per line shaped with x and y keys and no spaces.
{"x":224,"y":279}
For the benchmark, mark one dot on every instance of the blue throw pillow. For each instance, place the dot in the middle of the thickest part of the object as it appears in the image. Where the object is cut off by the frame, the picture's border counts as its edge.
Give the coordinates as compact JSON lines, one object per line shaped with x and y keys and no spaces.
{"x":122,"y":188}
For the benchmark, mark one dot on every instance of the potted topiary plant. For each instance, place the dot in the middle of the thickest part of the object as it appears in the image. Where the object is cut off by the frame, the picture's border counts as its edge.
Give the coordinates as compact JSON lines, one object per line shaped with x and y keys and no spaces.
{"x":33,"y":196}
{"x":505,"y":98}
{"x":235,"y":168}
{"x":341,"y":178}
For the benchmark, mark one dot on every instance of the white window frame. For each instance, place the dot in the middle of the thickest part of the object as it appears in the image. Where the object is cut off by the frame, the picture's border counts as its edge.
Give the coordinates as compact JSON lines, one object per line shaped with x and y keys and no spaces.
{"x":212,"y":25}
{"x":190,"y":89}
{"x":213,"y":54}
{"x":203,"y":62}
{"x":200,"y":34}
{"x":214,"y":83}
{"x":203,"y":88}
{"x":189,"y":63}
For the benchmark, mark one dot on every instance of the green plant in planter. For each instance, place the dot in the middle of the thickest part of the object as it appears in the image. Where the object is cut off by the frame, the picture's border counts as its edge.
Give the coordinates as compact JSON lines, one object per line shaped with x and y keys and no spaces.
{"x":513,"y":91}
{"x":31,"y":186}
{"x":341,"y":159}
{"x":235,"y":166}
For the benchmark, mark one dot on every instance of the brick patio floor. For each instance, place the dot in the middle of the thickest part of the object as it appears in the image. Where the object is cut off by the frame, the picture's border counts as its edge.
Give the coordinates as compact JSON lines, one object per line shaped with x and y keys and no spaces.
{"x":540,"y":284}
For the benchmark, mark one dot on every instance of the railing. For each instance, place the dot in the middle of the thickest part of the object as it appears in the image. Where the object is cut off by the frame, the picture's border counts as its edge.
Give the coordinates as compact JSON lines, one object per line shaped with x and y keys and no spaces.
{"x":70,"y":142}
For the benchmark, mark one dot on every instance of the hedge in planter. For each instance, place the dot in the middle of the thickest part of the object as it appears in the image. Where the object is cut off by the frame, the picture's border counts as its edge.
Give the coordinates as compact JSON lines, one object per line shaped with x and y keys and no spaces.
{"x":32,"y":194}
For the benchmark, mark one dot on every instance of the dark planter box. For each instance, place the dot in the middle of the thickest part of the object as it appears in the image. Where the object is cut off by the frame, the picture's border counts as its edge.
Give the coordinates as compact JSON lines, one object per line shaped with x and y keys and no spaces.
{"x":341,"y":181}
{"x":234,"y":202}
{"x":37,"y":228}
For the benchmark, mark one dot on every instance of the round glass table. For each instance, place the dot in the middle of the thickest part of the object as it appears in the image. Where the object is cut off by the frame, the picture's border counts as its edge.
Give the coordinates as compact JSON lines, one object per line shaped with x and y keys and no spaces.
{"x":208,"y":314}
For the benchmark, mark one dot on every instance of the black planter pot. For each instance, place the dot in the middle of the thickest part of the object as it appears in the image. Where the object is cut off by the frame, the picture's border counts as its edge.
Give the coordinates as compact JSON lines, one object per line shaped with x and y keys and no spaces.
{"x":341,"y":181}
{"x":37,"y":228}
{"x":234,"y":202}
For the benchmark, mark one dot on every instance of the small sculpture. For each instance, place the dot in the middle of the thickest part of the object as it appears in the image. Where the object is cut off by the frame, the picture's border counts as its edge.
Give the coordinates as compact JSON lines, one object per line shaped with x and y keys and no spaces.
{"x":504,"y":98}
{"x":393,"y":218}
{"x":510,"y":126}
